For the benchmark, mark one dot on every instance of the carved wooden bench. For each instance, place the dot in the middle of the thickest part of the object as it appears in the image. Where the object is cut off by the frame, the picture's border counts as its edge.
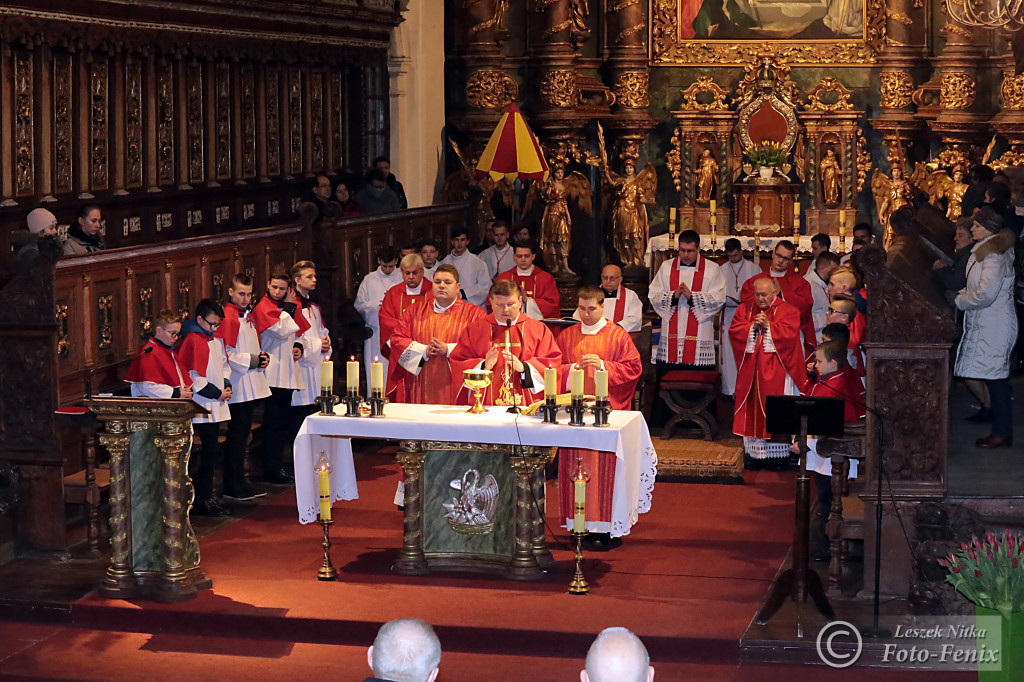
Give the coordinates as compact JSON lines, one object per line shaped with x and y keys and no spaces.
{"x":689,"y":393}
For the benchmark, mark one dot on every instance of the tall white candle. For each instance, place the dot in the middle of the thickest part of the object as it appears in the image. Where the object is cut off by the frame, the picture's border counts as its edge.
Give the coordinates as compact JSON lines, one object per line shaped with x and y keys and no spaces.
{"x":352,"y":375}
{"x":576,"y":383}
{"x":601,"y":384}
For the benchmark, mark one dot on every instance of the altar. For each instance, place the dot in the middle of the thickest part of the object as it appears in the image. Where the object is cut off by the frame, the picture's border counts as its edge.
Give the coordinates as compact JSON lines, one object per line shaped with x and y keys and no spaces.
{"x":474,"y":483}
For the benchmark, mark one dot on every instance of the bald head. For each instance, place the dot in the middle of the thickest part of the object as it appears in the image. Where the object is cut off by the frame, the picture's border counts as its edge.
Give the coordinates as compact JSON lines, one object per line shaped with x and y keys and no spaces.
{"x":611,"y":277}
{"x":405,"y":650}
{"x":617,"y":655}
{"x":765,"y":291}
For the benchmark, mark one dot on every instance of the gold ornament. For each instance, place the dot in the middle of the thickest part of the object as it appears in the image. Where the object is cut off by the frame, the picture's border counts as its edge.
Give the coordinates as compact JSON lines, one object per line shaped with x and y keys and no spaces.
{"x":674,"y":158}
{"x":899,"y":16}
{"x":558,"y":88}
{"x":863,"y":160}
{"x":1012,"y":91}
{"x":707,"y":175}
{"x":704,"y":85}
{"x":957,"y":90}
{"x":631,"y":89}
{"x":829,"y":85}
{"x":897,"y":89}
{"x":491,"y":89}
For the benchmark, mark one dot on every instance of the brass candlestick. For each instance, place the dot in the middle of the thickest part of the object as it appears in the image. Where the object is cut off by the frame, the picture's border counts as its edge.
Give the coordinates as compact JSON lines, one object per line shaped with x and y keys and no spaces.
{"x":576,"y":411}
{"x":601,"y":409}
{"x":550,"y":410}
{"x":578,"y":584}
{"x":327,"y":570}
{"x":326,"y":402}
{"x":377,"y":402}
{"x":352,"y":402}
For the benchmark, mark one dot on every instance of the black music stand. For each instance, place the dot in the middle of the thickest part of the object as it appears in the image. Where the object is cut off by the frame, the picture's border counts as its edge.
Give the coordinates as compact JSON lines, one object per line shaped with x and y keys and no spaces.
{"x":798,"y":415}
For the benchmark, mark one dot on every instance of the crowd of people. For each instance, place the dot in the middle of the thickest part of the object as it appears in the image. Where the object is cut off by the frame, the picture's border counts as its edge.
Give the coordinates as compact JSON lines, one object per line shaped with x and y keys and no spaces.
{"x":378,"y":191}
{"x":408,"y":650}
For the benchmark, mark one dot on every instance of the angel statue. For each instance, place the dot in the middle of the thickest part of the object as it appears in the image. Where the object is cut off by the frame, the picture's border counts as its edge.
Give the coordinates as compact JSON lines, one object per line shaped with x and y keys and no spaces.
{"x":556,"y":222}
{"x":629,"y":195}
{"x":889,"y":196}
{"x":707,"y":173}
{"x":463,"y":185}
{"x":829,"y":171}
{"x":939,"y":185}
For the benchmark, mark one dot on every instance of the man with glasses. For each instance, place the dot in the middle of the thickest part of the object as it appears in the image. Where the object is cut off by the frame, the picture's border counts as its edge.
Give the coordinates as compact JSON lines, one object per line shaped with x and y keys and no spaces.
{"x":621,"y":305}
{"x":202,"y":354}
{"x":321,"y":198}
{"x":843,"y":310}
{"x":794,"y":290}
{"x":369,"y":299}
{"x":156,"y":372}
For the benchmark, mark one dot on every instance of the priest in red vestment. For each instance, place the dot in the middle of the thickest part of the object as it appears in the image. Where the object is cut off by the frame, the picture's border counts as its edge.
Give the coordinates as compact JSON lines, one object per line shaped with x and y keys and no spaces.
{"x":515,"y":347}
{"x":156,"y":372}
{"x":539,"y":287}
{"x":420,"y":370}
{"x":765,"y":336}
{"x":595,"y":343}
{"x":794,"y":290}
{"x":400,"y":298}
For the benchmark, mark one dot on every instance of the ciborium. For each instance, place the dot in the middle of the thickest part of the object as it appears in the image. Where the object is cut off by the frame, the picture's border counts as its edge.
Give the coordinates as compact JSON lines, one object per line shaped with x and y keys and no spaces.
{"x":478,"y":380}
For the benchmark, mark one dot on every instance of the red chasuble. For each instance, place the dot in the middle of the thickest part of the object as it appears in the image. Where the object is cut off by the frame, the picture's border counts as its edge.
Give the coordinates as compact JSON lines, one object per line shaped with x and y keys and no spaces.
{"x":158,"y":364}
{"x":434,"y":385}
{"x":622,"y":361}
{"x":541,"y":287}
{"x":268,"y":313}
{"x":844,"y":384}
{"x":796,"y":291}
{"x":531,"y":342}
{"x":396,"y":302}
{"x":763,"y":373}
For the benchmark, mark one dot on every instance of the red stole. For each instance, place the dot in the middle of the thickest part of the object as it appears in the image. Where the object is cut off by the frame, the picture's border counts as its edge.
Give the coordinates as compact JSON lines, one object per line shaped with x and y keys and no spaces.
{"x":158,"y":364}
{"x":690,"y":330}
{"x":620,"y":304}
{"x":194,"y":353}
{"x":268,"y":313}
{"x":230,"y":326}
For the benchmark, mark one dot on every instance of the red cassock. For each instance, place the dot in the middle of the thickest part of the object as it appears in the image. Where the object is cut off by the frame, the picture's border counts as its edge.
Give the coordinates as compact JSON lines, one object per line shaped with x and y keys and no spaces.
{"x":434,"y":385}
{"x":541,"y":287}
{"x":622,"y":361}
{"x":530,"y":341}
{"x":396,"y":302}
{"x":158,"y":364}
{"x":796,"y":291}
{"x":844,"y":384}
{"x":763,"y":373}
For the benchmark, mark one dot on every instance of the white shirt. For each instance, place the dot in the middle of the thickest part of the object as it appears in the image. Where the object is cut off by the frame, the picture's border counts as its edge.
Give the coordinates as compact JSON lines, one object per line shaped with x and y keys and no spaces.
{"x":277,"y":341}
{"x":312,"y":356}
{"x":246,"y":384}
{"x":498,"y":260}
{"x":819,"y":310}
{"x":735,"y":275}
{"x":632,"y":316}
{"x":370,"y":296}
{"x":428,"y":273}
{"x":474,"y":278}
{"x":217,"y":371}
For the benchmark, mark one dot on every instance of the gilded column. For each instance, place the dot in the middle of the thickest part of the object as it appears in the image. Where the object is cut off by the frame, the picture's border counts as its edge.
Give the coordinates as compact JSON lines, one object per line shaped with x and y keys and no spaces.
{"x":524,"y":560}
{"x":903,"y":64}
{"x":552,"y":61}
{"x":180,"y":551}
{"x":1009,"y":122}
{"x":412,"y":561}
{"x":119,"y":582}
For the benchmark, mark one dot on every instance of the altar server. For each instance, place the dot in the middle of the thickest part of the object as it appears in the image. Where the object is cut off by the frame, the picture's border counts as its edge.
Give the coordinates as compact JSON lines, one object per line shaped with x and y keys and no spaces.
{"x":765,"y":336}
{"x":420,"y":370}
{"x":736,"y":271}
{"x":507,"y":338}
{"x":316,"y":343}
{"x":593,"y":344}
{"x":369,"y":299}
{"x":474,"y":277}
{"x":498,"y":257}
{"x":401,"y":297}
{"x":280,"y":325}
{"x":686,"y":293}
{"x":817,"y":279}
{"x":539,"y":288}
{"x":156,"y":372}
{"x":203,"y":355}
{"x":248,"y":384}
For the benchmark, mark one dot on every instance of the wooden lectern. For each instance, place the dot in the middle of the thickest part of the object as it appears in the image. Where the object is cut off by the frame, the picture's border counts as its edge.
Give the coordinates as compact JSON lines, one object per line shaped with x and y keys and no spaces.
{"x":153,"y":549}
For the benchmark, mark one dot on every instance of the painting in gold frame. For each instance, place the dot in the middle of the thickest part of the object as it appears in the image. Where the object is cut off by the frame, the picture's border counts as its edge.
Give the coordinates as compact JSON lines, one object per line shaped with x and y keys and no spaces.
{"x":800,"y":32}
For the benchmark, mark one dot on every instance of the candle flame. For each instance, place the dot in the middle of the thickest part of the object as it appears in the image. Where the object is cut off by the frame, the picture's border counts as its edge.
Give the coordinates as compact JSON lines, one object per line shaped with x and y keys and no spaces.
{"x":375,"y":358}
{"x":352,"y":358}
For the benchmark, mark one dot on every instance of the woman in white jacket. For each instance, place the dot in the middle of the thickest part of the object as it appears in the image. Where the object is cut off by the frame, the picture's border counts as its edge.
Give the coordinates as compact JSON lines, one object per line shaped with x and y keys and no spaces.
{"x":990,"y":324}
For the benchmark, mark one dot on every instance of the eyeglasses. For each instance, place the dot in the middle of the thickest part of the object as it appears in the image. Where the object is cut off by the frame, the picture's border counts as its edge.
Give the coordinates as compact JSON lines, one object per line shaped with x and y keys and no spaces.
{"x":169,"y":333}
{"x":213,"y":325}
{"x":841,"y":312}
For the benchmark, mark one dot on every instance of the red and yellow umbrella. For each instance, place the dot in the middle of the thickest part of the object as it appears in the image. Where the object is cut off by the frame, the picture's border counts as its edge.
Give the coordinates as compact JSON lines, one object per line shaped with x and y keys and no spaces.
{"x":513,"y":151}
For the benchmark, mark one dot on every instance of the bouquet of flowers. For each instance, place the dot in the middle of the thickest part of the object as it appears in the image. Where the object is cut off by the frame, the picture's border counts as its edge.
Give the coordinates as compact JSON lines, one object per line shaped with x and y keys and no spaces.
{"x":769,"y":154}
{"x":990,"y":573}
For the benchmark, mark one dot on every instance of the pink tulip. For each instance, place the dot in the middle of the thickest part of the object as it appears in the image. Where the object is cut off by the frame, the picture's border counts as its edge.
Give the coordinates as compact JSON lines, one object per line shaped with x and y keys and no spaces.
{"x":977,"y":573}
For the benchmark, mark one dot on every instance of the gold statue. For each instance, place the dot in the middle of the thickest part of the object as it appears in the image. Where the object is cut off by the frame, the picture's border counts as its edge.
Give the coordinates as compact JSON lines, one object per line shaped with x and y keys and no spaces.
{"x":556,"y":222}
{"x":955,"y":194}
{"x":707,"y":175}
{"x":939,"y":185}
{"x":889,"y":196}
{"x":580,"y":13}
{"x":830,"y":175}
{"x":629,"y":194}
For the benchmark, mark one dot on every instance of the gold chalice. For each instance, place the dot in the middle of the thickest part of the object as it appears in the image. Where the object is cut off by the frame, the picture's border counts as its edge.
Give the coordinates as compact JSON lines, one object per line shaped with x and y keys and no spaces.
{"x":478,"y":380}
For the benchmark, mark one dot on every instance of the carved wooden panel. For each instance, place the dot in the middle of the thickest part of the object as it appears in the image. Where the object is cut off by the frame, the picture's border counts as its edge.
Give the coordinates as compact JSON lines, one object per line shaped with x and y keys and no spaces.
{"x":24,"y":123}
{"x":273,"y":121}
{"x":69,"y":317}
{"x":222,"y":132}
{"x":194,"y":119}
{"x":186,"y":287}
{"x":316,"y":118}
{"x":105,"y":306}
{"x":221,"y":268}
{"x":337,"y":83}
{"x":165,"y":121}
{"x":133,"y":122}
{"x":62,"y":125}
{"x":99,"y":123}
{"x":248,"y":121}
{"x":295,"y":121}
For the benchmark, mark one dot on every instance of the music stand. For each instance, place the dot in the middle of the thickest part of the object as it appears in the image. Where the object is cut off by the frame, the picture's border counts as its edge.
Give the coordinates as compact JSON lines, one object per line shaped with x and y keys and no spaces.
{"x":798,"y":415}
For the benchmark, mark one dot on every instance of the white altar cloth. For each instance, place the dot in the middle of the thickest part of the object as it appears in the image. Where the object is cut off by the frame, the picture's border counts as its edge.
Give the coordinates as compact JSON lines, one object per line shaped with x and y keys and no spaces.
{"x":626,"y":435}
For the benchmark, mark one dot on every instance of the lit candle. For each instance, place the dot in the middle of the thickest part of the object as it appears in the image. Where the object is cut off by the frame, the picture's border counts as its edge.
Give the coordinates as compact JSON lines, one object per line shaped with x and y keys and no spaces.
{"x":550,"y":382}
{"x":714,"y":205}
{"x":576,"y":381}
{"x":601,"y":384}
{"x":352,"y":375}
{"x":323,"y":472}
{"x":327,"y":375}
{"x":376,"y":376}
{"x":580,"y":502}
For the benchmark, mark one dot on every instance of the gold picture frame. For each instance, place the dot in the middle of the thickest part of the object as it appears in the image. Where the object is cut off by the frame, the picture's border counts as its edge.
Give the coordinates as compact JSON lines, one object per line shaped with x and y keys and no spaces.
{"x":668,"y":48}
